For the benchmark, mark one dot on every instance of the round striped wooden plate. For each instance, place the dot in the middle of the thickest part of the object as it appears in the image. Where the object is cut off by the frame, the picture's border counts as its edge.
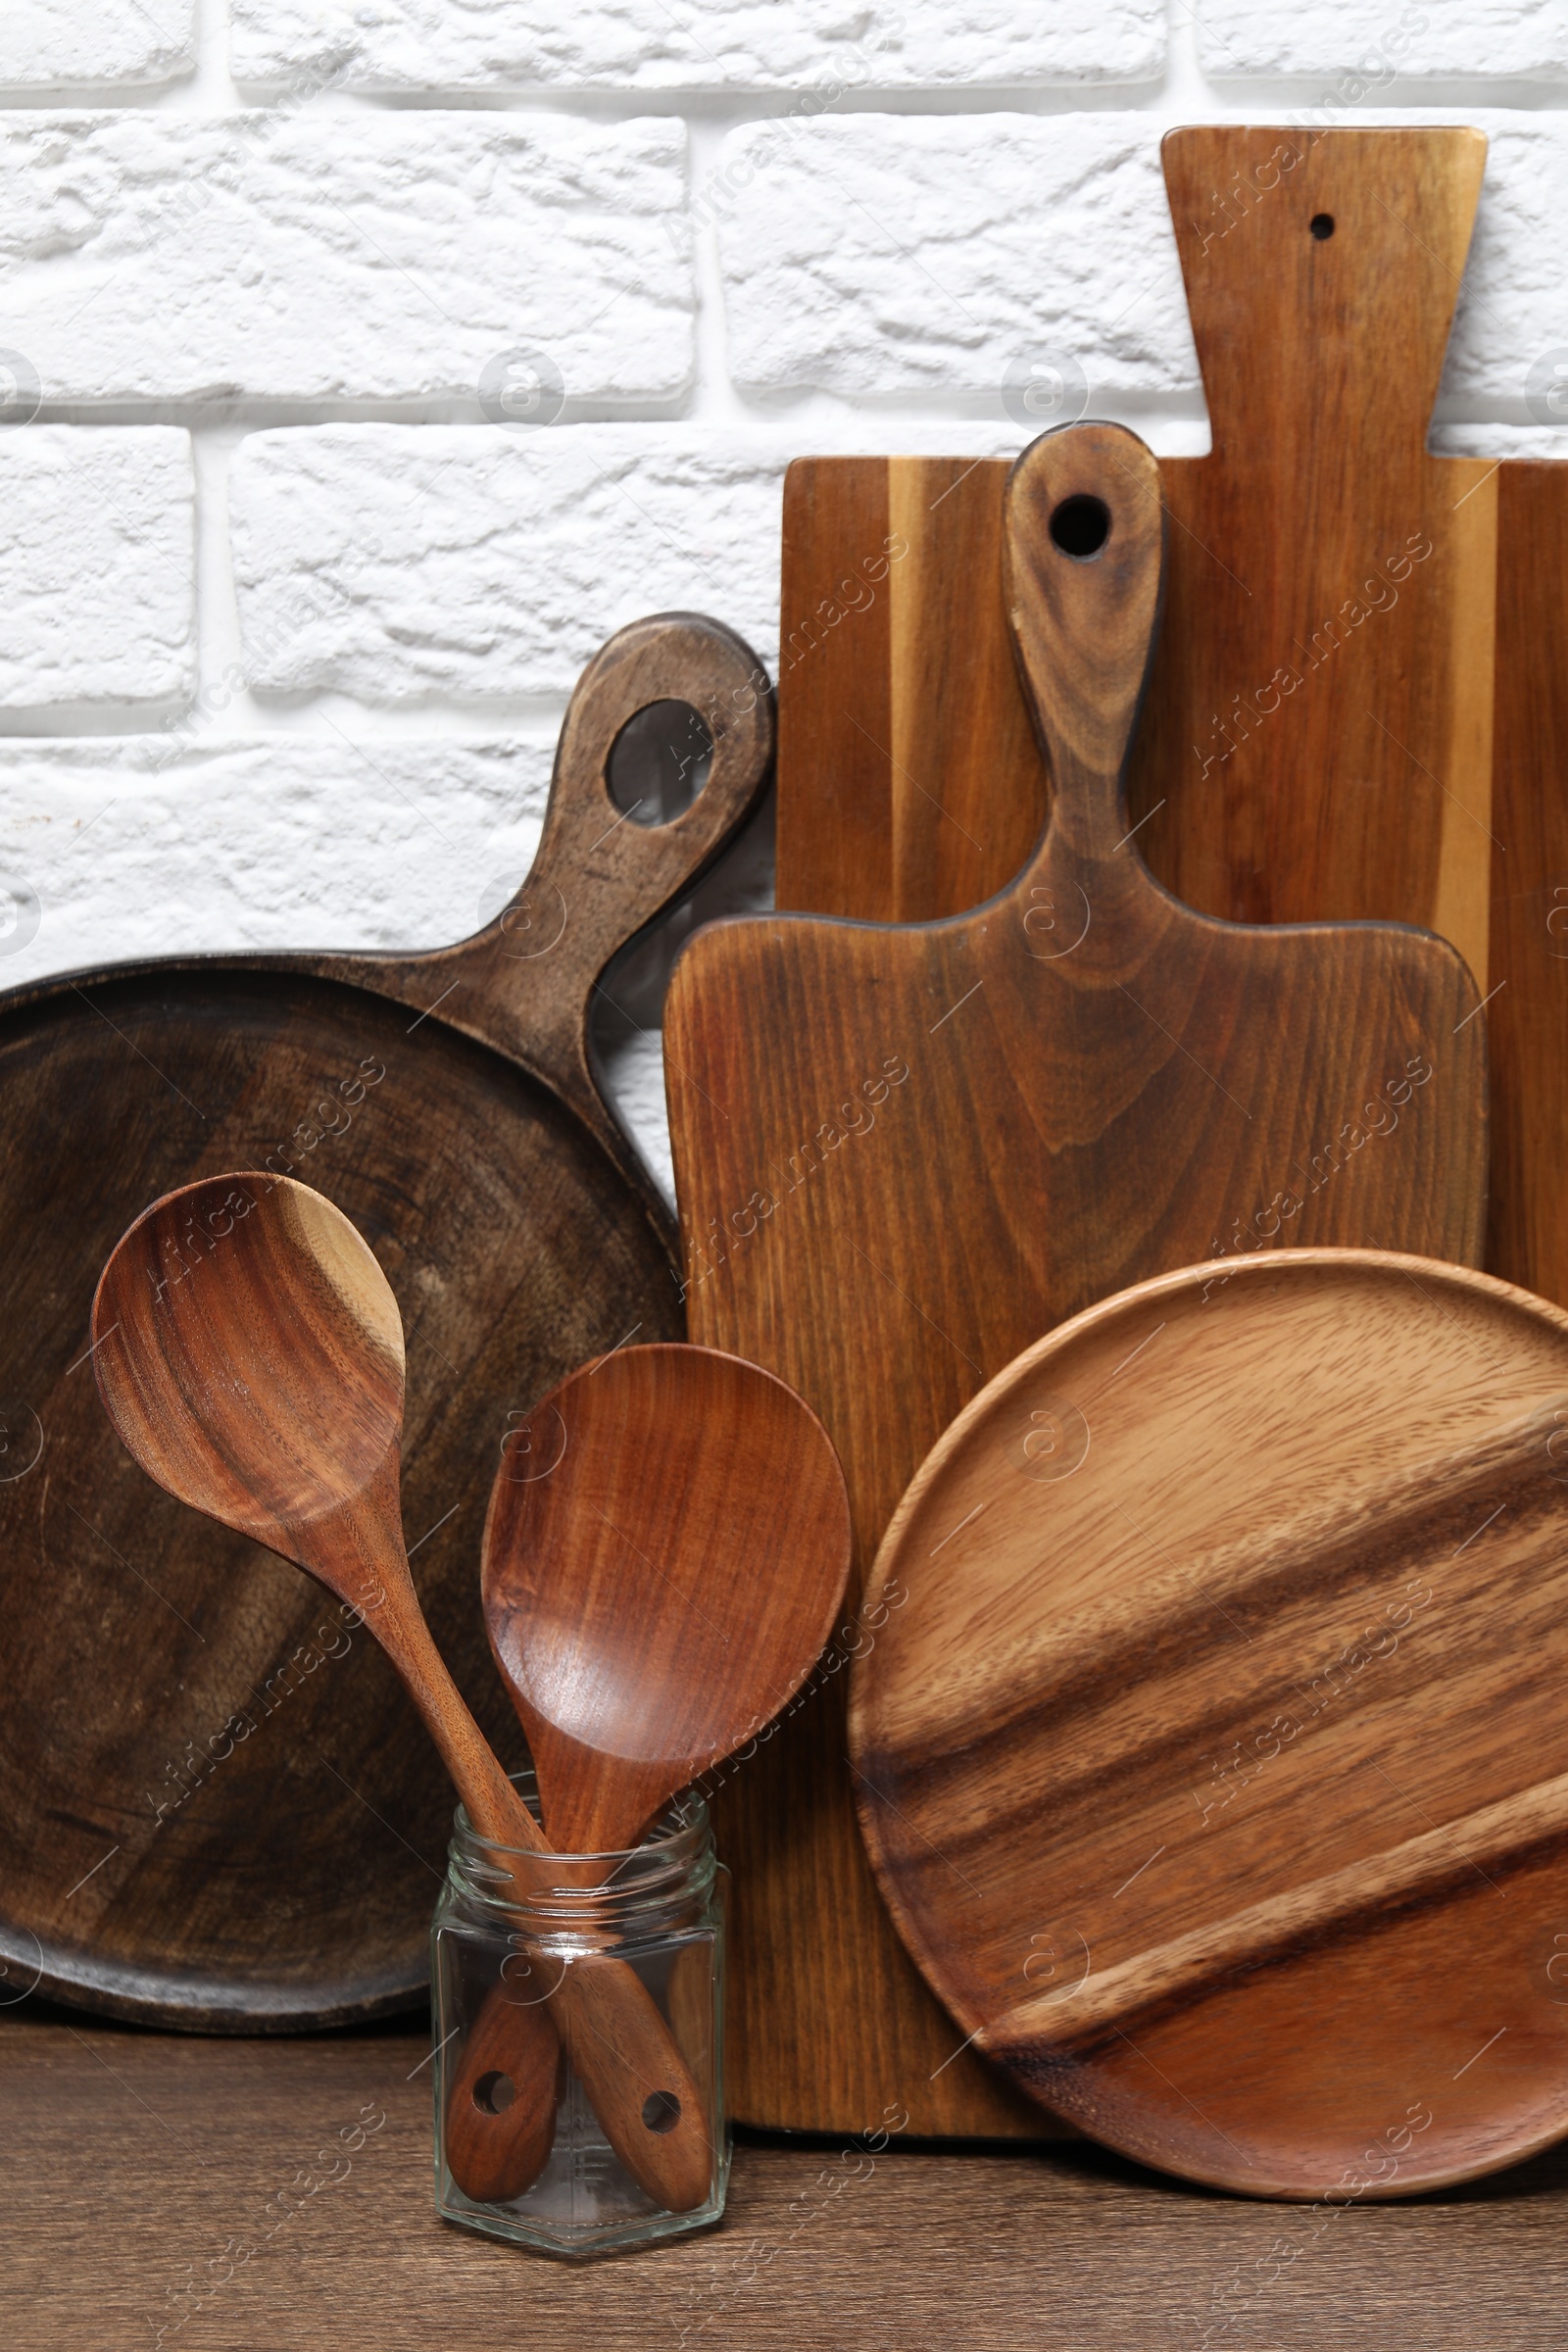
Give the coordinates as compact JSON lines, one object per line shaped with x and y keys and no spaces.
{"x":1212,"y":1753}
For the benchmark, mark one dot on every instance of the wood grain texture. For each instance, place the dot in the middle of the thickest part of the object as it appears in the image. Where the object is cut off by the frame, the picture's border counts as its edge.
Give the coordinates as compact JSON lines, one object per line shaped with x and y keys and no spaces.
{"x":1320,"y":714}
{"x":217,"y":1805}
{"x":256,"y":1372}
{"x":911,"y":784}
{"x":150,"y":2178}
{"x":1527,"y":1019}
{"x":903,"y":1153}
{"x":666,"y":1551}
{"x":1217,"y":1767}
{"x":1317,"y":740}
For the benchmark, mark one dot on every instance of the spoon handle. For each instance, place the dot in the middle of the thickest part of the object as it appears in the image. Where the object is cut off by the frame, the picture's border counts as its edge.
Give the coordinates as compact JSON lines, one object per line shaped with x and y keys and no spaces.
{"x":495,"y":2153}
{"x":613,"y":2031}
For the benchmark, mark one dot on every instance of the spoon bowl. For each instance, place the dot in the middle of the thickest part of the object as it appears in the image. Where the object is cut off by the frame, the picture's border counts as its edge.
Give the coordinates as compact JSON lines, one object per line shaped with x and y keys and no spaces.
{"x":250,"y":1354}
{"x":665,"y":1550}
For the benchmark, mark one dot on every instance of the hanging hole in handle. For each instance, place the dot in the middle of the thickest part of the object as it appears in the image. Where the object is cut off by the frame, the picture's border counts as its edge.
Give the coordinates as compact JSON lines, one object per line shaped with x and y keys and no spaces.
{"x":659,"y":763}
{"x":1080,"y":527}
{"x":1322,"y":226}
{"x":494,"y":2093}
{"x":660,"y":2111}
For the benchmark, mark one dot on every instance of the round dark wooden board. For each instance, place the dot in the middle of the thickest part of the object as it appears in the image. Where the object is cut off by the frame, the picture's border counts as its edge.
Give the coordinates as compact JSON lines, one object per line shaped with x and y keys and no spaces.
{"x":216,"y":1805}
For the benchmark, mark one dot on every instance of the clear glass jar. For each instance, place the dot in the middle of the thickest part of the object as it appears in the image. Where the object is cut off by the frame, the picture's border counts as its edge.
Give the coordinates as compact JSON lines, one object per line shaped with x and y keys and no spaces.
{"x":506,"y":1928}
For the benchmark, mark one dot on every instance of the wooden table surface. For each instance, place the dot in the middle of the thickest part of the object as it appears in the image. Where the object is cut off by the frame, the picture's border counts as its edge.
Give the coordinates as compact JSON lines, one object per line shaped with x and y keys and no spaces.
{"x":139,"y":2165}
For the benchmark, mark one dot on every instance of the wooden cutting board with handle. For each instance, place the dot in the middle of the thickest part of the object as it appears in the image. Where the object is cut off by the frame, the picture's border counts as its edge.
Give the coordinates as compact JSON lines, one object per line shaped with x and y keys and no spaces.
{"x":1215,"y":1760}
{"x":218,"y":1810}
{"x":1340,"y":724}
{"x":1317,"y":742}
{"x":903,"y":1152}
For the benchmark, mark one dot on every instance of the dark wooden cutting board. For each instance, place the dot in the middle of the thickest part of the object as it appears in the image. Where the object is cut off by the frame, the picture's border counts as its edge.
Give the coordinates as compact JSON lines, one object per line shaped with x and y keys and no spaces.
{"x":905,"y":1153}
{"x":1215,"y":1760}
{"x":219,"y":1808}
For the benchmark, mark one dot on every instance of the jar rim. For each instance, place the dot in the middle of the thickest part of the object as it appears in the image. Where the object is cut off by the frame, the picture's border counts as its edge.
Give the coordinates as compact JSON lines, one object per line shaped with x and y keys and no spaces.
{"x":674,"y":1863}
{"x":678,"y":1829}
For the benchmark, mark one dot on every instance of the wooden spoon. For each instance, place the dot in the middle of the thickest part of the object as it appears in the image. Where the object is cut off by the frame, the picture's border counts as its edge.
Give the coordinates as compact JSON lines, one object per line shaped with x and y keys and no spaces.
{"x":665,"y":1550}
{"x":251,"y":1359}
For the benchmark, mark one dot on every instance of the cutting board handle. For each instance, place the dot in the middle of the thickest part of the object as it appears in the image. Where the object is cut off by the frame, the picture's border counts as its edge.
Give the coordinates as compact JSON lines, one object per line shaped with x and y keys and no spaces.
{"x":1084,"y":567}
{"x":526,"y":983}
{"x":1322,"y":268}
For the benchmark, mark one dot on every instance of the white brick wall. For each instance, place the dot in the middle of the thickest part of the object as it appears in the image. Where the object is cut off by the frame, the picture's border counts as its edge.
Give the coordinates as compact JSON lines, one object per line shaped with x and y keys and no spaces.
{"x":313,"y":257}
{"x":886,"y":254}
{"x":225,"y":843}
{"x":473,"y":378}
{"x":1374,"y":41}
{"x":51,"y":44}
{"x":1514,"y":305}
{"x":735,"y":45}
{"x":97,"y":566}
{"x":393,"y":561}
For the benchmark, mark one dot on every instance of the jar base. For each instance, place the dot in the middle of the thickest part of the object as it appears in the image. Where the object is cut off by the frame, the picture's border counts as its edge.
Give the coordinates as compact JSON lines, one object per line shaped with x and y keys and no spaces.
{"x":572,"y":2236}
